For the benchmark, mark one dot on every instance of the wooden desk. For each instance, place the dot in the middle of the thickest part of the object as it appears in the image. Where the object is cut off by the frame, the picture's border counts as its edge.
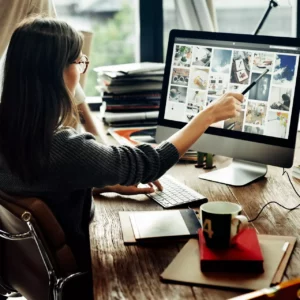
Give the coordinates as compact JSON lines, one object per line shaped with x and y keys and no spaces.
{"x":132,"y":272}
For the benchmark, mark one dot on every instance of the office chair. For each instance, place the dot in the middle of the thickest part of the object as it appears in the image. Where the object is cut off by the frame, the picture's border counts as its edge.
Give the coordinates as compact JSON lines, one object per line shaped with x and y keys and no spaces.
{"x":35,"y":260}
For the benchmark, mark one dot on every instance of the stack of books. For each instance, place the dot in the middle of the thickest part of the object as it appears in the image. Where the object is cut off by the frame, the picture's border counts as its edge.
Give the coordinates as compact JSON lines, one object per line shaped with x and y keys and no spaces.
{"x":131,"y":92}
{"x":296,"y":171}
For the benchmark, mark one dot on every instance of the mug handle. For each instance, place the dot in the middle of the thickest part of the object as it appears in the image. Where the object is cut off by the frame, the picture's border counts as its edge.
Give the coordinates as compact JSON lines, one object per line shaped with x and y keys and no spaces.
{"x":243,"y":222}
{"x":243,"y":225}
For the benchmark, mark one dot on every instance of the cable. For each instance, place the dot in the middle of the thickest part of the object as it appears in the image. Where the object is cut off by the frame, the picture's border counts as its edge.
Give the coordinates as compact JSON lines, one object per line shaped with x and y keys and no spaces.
{"x":271,"y":202}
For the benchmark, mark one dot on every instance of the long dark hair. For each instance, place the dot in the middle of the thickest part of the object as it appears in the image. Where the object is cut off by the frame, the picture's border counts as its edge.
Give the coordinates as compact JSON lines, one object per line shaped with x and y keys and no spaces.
{"x":35,"y":101}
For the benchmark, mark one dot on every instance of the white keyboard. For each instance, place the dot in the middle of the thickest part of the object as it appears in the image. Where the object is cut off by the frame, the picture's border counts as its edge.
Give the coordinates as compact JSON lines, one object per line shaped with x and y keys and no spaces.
{"x":176,"y":194}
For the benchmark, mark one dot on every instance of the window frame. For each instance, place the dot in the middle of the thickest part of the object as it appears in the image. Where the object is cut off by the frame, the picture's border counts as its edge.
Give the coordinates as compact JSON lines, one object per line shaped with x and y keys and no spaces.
{"x":151,"y":31}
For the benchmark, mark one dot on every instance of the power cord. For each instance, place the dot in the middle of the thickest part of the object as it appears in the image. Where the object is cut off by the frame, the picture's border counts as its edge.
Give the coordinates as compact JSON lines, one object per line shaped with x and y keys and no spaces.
{"x":271,"y":202}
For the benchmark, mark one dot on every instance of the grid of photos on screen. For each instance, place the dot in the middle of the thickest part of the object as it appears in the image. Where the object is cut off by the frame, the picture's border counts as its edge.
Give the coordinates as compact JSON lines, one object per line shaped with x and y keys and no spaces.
{"x":201,"y":74}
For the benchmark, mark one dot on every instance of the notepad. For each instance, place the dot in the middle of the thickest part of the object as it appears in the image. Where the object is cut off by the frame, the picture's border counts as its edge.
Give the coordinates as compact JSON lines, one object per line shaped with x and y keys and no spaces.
{"x":180,"y":223}
{"x":244,"y":256}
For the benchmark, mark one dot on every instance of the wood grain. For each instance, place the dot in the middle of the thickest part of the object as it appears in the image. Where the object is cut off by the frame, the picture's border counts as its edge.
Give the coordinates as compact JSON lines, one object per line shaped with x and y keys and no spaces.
{"x":132,"y":272}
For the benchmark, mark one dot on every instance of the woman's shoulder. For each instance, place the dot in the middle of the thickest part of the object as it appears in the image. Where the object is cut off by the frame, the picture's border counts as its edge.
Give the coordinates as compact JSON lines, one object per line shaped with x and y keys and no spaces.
{"x":70,"y":133}
{"x":65,"y":136}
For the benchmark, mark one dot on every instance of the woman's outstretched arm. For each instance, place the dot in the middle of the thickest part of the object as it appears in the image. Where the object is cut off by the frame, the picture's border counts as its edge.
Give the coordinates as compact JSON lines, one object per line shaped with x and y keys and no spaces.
{"x":228,"y":106}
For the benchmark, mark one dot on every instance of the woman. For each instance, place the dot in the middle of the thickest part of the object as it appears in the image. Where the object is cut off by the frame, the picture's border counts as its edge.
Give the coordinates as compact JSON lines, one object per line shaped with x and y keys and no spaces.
{"x":42,"y":155}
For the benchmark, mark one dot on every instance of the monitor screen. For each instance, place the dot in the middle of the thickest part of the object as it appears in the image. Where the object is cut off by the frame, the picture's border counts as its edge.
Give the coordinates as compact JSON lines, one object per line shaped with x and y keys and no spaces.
{"x":202,"y":66}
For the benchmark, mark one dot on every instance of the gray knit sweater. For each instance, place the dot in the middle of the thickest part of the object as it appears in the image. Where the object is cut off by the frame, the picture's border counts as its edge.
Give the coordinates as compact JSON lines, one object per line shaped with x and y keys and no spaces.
{"x":78,"y":163}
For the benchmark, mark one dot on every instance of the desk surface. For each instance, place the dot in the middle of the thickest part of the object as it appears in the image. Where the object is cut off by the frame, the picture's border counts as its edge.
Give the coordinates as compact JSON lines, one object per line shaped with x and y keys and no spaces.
{"x":132,"y":272}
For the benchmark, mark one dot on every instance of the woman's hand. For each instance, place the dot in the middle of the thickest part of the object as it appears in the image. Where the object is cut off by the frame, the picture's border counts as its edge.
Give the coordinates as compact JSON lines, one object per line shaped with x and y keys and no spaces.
{"x":129,"y":190}
{"x":227,"y":106}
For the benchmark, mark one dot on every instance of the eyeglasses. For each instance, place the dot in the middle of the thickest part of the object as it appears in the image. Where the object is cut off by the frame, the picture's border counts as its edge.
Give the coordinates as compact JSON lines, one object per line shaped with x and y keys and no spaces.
{"x":82,"y":64}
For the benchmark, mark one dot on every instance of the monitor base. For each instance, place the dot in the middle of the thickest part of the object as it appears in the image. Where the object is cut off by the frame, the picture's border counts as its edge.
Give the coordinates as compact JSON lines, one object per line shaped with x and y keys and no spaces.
{"x":238,"y":173}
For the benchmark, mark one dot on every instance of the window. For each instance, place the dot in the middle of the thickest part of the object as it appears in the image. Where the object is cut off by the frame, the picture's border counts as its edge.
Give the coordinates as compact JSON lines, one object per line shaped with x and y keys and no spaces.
{"x":113,"y":24}
{"x":238,"y":16}
{"x":235,"y":16}
{"x":170,"y":21}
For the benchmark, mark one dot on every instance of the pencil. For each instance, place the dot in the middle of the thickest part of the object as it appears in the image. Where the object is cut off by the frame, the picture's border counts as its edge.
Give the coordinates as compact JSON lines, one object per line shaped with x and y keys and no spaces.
{"x":247,"y":89}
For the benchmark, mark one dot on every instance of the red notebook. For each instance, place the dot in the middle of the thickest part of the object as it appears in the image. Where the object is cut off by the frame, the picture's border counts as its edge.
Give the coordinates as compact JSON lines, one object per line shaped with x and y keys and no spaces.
{"x":244,"y":256}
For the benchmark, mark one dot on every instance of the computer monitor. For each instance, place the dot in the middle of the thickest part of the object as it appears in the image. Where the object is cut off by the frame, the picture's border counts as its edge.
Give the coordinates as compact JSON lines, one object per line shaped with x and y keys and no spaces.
{"x":201,"y":66}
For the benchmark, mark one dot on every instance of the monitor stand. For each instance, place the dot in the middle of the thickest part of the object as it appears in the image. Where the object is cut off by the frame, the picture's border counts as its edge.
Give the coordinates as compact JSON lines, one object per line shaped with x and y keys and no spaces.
{"x":238,"y":173}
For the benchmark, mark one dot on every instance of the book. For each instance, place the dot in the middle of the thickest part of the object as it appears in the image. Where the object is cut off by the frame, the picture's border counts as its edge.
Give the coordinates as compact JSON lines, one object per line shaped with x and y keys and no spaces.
{"x":162,"y":224}
{"x":185,"y":268}
{"x":132,"y":68}
{"x":132,"y":98}
{"x":296,"y":169}
{"x":296,"y":174}
{"x":131,"y":107}
{"x":115,"y":75}
{"x":94,"y":103}
{"x":128,"y":79}
{"x":137,"y":87}
{"x":244,"y":256}
{"x":118,"y":117}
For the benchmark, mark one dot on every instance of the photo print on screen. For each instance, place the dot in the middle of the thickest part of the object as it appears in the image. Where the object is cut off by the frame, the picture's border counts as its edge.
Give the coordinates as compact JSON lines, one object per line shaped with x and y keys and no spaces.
{"x":183,"y":56}
{"x":261,"y":90}
{"x":196,"y":101}
{"x":284,"y":71}
{"x":280,"y":98}
{"x":180,"y":76}
{"x":262,"y":61}
{"x":217,"y":84}
{"x":276,"y":124}
{"x":253,"y":129}
{"x":177,"y":94}
{"x":220,"y":62}
{"x":201,"y":56}
{"x":256,"y":113}
{"x":240,"y":68}
{"x":198,"y":78}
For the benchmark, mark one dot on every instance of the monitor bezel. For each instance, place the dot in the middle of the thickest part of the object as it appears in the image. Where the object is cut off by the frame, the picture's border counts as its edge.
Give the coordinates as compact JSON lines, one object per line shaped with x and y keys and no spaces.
{"x":279,"y":41}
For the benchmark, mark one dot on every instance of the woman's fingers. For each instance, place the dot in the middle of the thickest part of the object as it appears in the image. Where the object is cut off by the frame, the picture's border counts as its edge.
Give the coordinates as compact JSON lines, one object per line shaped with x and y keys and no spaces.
{"x":238,"y":96}
{"x":158,"y":185}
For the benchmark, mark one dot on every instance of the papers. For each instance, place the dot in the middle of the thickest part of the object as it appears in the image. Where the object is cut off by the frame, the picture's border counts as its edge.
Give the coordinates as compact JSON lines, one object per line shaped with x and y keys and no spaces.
{"x":132,"y":68}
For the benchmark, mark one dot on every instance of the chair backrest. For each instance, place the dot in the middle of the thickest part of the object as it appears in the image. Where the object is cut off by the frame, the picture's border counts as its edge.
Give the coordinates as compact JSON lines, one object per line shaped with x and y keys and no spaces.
{"x":21,"y":263}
